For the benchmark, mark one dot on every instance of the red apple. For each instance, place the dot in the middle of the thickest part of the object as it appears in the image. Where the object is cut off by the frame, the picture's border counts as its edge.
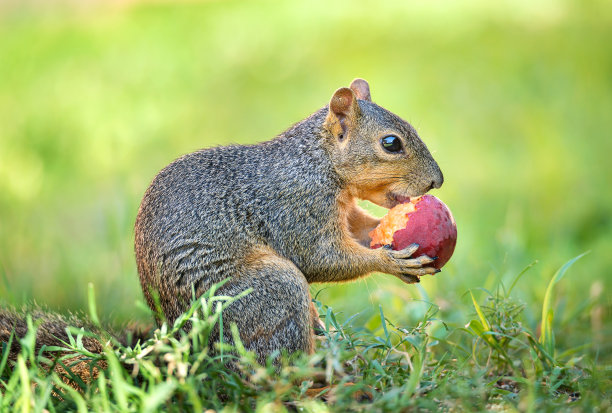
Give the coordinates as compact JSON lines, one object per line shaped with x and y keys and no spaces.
{"x":424,"y":220}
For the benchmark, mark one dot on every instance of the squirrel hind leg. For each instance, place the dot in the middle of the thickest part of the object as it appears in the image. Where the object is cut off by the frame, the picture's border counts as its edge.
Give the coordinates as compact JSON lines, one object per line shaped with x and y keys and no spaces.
{"x":277,"y":314}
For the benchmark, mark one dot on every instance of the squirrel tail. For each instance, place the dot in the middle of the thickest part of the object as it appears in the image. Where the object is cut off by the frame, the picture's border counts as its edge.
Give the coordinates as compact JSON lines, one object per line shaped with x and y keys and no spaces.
{"x":52,"y":329}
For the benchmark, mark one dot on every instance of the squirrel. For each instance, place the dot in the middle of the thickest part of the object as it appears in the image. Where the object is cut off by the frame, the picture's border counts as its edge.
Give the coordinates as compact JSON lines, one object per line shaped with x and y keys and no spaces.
{"x":272,"y":217}
{"x":279,"y":215}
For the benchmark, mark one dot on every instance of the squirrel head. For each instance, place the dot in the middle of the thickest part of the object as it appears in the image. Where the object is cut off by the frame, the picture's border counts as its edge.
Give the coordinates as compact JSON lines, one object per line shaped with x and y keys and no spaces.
{"x":378,"y":156}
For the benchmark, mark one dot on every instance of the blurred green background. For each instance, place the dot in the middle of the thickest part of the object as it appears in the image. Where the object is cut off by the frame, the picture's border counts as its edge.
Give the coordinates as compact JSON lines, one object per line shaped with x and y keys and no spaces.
{"x":513,"y":98}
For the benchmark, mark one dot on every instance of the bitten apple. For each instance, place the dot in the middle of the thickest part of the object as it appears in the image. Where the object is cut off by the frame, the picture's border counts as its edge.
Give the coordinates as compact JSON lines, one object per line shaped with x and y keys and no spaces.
{"x":424,"y":220}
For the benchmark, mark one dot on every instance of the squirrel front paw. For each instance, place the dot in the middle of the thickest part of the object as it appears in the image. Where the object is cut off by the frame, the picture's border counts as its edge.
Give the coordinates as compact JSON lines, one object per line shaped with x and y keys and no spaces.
{"x":406,"y":268}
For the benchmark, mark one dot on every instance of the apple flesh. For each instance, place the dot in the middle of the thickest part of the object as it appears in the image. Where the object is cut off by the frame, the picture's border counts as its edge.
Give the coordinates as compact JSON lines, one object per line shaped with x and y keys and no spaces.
{"x":424,"y":220}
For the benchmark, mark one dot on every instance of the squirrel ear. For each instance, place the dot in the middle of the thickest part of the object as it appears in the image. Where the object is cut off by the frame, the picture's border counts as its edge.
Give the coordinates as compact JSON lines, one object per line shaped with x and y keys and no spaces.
{"x":343,"y":110}
{"x":361,"y":89}
{"x":342,"y":102}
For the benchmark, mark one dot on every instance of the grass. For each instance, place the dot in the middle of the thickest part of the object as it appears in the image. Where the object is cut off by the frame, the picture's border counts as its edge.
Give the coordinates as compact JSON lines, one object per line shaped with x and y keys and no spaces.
{"x":492,"y":363}
{"x":512,"y":98}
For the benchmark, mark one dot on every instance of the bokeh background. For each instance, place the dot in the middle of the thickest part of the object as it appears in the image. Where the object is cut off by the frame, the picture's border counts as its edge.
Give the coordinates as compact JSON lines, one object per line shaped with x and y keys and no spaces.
{"x":513,"y":98}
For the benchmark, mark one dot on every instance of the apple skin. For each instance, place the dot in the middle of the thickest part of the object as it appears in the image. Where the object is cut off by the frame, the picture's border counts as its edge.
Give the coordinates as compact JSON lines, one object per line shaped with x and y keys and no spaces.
{"x":432,"y":226}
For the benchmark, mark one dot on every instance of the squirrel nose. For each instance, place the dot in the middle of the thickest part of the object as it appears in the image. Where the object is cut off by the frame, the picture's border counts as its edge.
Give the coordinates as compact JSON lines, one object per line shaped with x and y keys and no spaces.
{"x":437,"y":182}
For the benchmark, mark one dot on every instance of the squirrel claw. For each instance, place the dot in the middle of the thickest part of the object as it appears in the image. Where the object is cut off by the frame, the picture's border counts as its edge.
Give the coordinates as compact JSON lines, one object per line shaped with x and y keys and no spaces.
{"x":406,"y":252}
{"x":405,"y":267}
{"x":409,"y":278}
{"x":410,"y":263}
{"x":411,"y":275}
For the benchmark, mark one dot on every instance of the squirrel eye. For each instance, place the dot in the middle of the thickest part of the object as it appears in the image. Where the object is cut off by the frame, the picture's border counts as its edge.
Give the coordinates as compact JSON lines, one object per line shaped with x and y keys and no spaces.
{"x":391,"y":143}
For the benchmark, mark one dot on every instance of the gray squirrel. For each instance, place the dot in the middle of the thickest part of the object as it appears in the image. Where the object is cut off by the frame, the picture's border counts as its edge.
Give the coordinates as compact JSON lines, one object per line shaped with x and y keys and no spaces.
{"x":279,"y":215}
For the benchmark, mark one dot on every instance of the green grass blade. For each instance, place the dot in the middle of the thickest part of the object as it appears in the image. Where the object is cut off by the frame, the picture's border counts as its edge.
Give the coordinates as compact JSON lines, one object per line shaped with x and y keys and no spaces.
{"x":103,"y":392}
{"x":384,"y":326}
{"x":547,"y":338}
{"x":75,"y":396}
{"x":540,"y":351}
{"x":237,"y":341}
{"x":91,"y":301}
{"x":418,"y":362}
{"x":44,"y":389}
{"x":519,"y":275}
{"x":119,"y":386}
{"x":7,"y":351}
{"x":26,"y":386}
{"x":194,"y":398}
{"x":483,"y":320}
{"x":578,"y":349}
{"x":29,"y":340}
{"x":219,"y":313}
{"x":157,"y":396}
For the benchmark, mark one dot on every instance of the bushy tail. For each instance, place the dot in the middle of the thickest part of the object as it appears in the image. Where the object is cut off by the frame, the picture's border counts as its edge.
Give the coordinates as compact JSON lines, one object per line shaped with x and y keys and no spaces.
{"x":52,"y":329}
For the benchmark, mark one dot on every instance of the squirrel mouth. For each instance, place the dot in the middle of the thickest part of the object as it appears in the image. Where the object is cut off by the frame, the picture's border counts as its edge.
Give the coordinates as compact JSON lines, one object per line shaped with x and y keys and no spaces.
{"x":396,"y":199}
